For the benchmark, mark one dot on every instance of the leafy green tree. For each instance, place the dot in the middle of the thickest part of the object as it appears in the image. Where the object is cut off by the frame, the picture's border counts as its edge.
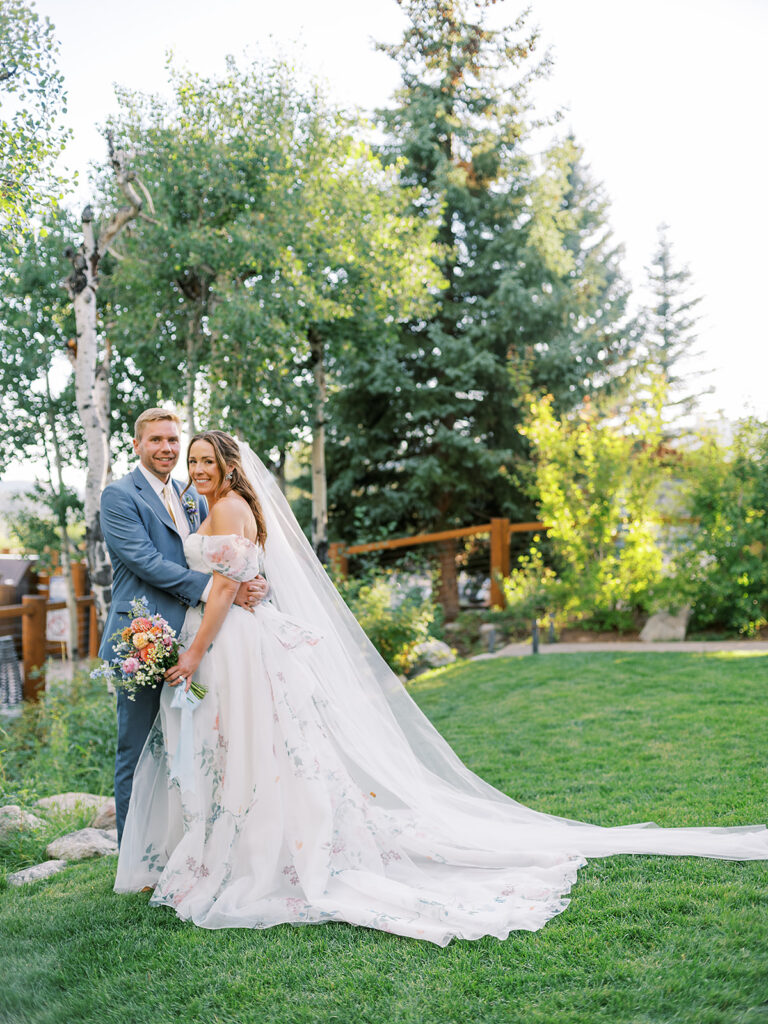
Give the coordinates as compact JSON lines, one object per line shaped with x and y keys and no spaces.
{"x":36,"y":387}
{"x":33,"y":100}
{"x":40,"y":518}
{"x":425,"y":432}
{"x":271,"y":254}
{"x":219,"y":203}
{"x":600,"y":487}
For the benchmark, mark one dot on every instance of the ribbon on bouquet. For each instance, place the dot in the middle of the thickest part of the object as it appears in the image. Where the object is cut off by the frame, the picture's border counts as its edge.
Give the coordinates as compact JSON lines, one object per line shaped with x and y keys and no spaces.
{"x":183,"y":763}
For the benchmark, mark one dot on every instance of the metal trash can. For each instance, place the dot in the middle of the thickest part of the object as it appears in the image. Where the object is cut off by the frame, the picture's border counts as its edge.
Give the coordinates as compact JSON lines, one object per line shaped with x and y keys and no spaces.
{"x":10,"y":676}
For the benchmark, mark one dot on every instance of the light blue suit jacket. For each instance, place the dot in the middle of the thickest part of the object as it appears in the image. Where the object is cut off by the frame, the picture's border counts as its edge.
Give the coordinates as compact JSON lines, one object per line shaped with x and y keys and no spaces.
{"x":147,"y":554}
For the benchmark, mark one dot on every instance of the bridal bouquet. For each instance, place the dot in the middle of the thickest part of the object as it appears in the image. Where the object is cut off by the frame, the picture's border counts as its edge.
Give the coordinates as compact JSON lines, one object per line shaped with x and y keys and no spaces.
{"x":145,"y":649}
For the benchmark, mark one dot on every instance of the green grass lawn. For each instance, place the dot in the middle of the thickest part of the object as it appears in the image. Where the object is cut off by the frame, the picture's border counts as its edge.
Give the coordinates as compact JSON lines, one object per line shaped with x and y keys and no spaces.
{"x":679,"y":739}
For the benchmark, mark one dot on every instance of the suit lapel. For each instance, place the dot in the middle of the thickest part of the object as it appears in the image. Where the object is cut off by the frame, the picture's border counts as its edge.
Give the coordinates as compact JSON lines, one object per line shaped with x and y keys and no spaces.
{"x":193,"y":521}
{"x":153,"y":499}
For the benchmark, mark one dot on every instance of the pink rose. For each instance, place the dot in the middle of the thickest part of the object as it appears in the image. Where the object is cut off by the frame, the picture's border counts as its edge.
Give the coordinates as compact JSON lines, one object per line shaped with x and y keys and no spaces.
{"x":131,"y":665}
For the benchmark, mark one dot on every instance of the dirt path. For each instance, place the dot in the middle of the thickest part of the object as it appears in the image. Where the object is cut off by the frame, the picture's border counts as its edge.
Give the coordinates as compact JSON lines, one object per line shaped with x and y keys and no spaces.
{"x":632,"y":647}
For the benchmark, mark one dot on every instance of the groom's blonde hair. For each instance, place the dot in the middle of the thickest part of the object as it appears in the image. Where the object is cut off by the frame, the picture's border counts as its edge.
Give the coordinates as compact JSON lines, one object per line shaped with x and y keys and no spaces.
{"x":150,"y":416}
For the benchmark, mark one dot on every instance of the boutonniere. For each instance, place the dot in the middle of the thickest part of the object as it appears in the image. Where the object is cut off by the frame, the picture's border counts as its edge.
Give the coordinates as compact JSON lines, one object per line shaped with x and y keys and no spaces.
{"x":190,"y":507}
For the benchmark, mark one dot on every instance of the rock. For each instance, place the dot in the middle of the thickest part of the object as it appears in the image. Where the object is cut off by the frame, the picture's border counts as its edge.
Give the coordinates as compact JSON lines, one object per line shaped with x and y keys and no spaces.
{"x":666,"y":626}
{"x":489,"y":635}
{"x":86,"y":842}
{"x":434,"y":653}
{"x":72,"y":802}
{"x":106,"y":815}
{"x":38,"y":871}
{"x":12,"y":818}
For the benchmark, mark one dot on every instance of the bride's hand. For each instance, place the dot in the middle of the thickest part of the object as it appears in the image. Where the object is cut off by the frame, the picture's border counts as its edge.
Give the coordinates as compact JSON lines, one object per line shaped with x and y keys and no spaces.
{"x":183,"y":670}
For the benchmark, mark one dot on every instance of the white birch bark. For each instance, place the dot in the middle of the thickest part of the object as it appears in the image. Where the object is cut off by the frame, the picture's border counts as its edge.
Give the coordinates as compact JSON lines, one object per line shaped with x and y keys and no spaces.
{"x":91,"y":361}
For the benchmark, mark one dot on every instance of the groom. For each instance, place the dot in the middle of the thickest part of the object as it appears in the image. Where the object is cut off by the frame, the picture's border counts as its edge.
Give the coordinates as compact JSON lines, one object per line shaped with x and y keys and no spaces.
{"x":145,"y":520}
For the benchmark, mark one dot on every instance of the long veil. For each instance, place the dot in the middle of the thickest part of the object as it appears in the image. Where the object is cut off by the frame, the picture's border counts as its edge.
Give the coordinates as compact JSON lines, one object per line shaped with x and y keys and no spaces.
{"x":392,"y":750}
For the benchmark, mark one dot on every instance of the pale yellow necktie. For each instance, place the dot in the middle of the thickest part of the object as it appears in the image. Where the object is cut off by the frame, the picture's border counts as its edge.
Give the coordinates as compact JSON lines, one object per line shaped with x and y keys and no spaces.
{"x":167,"y":503}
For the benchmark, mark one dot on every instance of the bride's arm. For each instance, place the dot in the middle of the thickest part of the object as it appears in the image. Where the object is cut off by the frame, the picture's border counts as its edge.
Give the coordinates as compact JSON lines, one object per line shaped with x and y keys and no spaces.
{"x":226,"y":520}
{"x":221,"y":599}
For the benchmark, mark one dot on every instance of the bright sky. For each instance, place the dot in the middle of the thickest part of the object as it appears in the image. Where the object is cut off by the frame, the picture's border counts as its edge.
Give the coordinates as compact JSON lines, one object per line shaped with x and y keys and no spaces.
{"x":667,"y":96}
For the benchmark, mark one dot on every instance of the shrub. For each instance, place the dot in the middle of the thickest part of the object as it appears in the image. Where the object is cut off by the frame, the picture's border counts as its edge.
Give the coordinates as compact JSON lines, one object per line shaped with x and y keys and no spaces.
{"x":598,"y":484}
{"x":721,"y":565}
{"x":531,"y":589}
{"x":64,"y":742}
{"x":394,"y":622}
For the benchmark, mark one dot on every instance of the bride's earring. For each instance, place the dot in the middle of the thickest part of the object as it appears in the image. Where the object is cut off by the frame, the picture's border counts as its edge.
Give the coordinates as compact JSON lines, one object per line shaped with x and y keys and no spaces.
{"x":228,"y":476}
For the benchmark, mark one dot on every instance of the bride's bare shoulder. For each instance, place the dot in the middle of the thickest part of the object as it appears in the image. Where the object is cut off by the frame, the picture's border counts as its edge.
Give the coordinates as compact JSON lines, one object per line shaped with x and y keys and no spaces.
{"x":231,"y":514}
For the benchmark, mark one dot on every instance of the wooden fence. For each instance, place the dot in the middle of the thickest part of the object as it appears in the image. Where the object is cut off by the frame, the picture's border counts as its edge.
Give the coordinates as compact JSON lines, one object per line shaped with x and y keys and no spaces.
{"x":33,"y":611}
{"x":500,"y":530}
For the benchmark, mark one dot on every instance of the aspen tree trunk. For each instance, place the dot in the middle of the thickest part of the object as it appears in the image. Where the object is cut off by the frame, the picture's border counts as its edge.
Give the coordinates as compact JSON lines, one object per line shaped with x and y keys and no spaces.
{"x":91,"y":383}
{"x":319,"y":483}
{"x":189,"y":388}
{"x":91,"y":362}
{"x":280,"y":470}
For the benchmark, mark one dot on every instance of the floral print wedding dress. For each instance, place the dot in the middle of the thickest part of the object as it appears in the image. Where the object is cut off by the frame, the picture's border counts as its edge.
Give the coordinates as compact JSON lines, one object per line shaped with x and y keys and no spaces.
{"x":288,"y":796}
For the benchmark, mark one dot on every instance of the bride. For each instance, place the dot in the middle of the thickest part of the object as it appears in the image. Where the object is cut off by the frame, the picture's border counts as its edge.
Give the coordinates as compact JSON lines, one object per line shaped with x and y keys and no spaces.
{"x":307,"y":786}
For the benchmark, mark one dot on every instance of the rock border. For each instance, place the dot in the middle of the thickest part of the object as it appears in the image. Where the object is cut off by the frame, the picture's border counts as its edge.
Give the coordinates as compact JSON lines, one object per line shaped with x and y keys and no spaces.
{"x":99,"y":839}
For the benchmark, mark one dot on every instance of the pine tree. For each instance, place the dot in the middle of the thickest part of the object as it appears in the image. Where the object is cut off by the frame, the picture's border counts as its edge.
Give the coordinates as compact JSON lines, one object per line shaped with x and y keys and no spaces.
{"x":425,"y":434}
{"x":669,"y":335}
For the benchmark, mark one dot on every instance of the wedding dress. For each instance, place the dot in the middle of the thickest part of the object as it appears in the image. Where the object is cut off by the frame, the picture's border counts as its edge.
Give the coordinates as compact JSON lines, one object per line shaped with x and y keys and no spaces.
{"x":307,"y":786}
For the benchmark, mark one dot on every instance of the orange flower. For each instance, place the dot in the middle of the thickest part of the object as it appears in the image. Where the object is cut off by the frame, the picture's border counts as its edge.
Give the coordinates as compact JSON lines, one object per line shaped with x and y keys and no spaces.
{"x":126,"y":633}
{"x":141,"y":625}
{"x":140,"y":640}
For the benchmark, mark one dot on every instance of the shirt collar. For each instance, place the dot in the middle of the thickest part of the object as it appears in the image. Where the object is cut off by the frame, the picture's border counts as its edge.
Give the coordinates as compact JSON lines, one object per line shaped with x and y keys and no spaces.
{"x":156,"y":484}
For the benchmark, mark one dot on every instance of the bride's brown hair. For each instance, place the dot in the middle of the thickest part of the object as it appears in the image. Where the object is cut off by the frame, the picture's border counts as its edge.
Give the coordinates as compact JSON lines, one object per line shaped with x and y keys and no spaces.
{"x":227,"y":454}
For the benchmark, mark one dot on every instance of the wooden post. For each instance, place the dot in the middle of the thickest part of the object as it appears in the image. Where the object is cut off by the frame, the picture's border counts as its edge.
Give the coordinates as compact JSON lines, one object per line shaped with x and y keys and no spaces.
{"x":79,"y":577}
{"x":337,"y":559}
{"x":93,"y":632}
{"x":33,"y":644}
{"x":499,"y":560}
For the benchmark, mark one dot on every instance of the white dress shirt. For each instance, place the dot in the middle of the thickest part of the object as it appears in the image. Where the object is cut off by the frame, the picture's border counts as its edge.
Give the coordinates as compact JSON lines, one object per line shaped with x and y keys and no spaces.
{"x":182,"y":523}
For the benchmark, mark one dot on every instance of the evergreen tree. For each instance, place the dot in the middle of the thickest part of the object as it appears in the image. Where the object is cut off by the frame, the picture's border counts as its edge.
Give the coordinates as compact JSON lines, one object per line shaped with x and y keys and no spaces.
{"x":669,"y":330}
{"x":425,"y":433}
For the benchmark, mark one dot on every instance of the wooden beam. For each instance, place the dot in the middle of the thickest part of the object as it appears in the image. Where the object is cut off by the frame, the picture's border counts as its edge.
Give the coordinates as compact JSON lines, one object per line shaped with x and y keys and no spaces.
{"x":93,"y":632}
{"x":33,"y":644}
{"x":499,"y":560}
{"x":419,"y":538}
{"x":526,"y":527}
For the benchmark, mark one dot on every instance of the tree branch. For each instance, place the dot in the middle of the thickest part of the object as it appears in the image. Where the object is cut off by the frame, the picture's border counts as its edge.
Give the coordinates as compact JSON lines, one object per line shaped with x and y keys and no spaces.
{"x":124,"y":179}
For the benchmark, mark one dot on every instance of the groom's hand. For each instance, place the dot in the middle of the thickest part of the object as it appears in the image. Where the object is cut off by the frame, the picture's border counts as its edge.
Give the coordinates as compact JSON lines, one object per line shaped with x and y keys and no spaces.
{"x":251,"y":592}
